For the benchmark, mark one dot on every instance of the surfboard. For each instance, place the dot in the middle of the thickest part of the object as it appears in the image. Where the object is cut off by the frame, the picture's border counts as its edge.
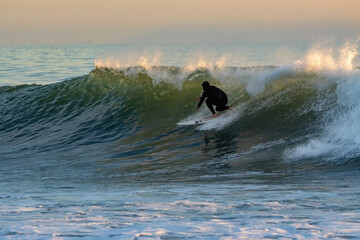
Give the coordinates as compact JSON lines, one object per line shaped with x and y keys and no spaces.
{"x":198,"y":120}
{"x":194,"y":122}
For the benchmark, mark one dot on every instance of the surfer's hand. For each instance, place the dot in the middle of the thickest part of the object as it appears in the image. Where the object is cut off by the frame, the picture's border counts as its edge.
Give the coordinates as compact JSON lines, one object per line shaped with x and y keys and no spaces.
{"x":214,"y":115}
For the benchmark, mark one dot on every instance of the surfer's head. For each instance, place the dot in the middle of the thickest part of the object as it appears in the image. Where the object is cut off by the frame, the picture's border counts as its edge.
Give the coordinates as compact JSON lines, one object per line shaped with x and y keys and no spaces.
{"x":205,"y":85}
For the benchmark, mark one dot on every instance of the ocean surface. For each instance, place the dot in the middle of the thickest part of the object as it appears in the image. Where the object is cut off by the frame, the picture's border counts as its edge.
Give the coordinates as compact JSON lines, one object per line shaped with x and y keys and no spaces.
{"x":90,"y":146}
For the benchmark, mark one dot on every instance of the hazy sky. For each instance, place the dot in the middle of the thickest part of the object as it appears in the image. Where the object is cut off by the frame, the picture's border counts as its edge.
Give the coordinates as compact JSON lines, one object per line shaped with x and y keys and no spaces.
{"x":178,"y":21}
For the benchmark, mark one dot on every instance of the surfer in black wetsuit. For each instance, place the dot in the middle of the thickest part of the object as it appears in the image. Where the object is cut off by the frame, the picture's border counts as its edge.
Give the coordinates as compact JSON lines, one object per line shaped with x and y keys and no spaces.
{"x":213,"y":96}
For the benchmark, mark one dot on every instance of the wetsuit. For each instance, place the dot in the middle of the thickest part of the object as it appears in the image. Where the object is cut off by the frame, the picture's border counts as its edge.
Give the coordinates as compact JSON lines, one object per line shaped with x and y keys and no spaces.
{"x":214,"y":96}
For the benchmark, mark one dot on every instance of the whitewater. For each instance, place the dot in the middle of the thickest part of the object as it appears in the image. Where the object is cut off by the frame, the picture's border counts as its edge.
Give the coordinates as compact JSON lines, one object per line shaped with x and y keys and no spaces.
{"x":91,"y":147}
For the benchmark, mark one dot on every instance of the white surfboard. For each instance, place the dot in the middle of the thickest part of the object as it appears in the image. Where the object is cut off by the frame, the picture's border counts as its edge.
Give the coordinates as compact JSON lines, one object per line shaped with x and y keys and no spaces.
{"x":201,"y":119}
{"x":195,"y":122}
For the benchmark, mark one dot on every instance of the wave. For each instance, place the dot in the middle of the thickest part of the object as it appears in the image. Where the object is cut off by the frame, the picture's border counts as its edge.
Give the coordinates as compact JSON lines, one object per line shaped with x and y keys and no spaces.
{"x":301,"y":110}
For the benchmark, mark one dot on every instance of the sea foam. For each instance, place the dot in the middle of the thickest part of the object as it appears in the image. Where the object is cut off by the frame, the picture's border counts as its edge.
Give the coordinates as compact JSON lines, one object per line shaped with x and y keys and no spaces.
{"x":340,"y":137}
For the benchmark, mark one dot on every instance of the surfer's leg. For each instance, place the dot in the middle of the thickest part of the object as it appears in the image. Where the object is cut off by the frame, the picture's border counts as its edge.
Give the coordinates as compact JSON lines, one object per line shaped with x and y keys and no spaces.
{"x":210,"y":103}
{"x":221,"y":108}
{"x":221,"y":104}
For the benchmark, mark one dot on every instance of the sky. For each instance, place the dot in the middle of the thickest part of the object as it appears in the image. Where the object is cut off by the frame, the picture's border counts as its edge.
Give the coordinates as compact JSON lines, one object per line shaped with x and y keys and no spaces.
{"x":180,"y":21}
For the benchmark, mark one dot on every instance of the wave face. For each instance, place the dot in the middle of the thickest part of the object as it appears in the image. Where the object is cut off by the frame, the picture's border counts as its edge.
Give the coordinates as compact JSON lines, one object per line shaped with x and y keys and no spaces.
{"x":126,"y":117}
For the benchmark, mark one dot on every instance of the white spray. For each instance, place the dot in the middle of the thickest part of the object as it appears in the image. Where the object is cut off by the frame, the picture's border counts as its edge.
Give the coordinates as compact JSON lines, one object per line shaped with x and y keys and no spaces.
{"x":341,"y":137}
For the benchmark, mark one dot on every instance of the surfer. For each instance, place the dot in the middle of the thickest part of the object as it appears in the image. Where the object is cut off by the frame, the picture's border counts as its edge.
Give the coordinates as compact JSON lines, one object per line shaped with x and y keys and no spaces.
{"x":213,"y":96}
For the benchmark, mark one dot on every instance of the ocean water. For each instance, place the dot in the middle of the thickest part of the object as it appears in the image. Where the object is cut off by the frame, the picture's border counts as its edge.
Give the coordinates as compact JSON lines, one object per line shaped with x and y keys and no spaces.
{"x":90,"y":145}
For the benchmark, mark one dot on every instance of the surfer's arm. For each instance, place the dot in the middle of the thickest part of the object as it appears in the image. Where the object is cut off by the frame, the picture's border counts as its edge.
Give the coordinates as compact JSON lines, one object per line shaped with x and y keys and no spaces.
{"x":201,"y":100}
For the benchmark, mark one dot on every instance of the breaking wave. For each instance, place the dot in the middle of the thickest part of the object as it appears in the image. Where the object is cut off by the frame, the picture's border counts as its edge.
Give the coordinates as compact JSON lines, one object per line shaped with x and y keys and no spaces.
{"x":307,"y":109}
